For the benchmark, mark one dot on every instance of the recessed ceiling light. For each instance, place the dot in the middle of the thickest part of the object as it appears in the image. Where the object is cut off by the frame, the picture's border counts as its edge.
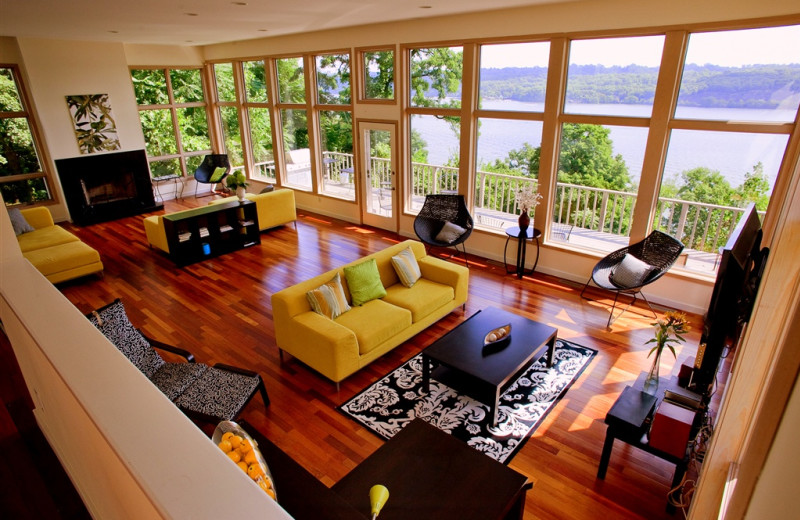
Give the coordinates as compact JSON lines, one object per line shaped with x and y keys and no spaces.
{"x":239,"y":3}
{"x":263,"y":30}
{"x":190,"y":14}
{"x":114,"y":32}
{"x":425,"y":6}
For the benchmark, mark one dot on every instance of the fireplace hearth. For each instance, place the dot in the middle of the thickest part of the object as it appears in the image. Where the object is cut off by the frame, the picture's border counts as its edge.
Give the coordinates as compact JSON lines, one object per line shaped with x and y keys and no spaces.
{"x":106,"y":187}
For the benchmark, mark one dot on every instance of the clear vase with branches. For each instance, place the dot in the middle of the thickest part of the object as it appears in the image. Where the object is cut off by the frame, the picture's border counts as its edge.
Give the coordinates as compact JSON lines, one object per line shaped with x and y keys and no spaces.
{"x":669,"y":331}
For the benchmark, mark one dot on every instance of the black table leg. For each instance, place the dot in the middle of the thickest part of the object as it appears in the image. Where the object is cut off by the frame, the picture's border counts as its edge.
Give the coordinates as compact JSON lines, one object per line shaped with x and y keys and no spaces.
{"x":426,"y":374}
{"x":606,"y":455}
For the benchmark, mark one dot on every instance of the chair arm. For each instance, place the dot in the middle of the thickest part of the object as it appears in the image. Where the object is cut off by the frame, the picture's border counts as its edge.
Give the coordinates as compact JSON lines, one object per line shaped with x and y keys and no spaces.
{"x":169,"y":348}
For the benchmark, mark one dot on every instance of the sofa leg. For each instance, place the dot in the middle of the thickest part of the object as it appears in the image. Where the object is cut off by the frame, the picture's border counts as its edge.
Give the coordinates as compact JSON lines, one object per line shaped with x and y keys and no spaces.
{"x":280,"y":355}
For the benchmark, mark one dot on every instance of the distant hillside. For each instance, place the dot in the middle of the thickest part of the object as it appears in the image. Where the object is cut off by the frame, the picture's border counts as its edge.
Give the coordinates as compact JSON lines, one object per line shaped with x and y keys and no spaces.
{"x":764,"y":86}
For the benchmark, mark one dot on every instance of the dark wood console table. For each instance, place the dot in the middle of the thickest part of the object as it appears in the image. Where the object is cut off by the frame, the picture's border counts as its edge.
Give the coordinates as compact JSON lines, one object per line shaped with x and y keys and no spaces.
{"x":210,"y":231}
{"x":628,"y":421}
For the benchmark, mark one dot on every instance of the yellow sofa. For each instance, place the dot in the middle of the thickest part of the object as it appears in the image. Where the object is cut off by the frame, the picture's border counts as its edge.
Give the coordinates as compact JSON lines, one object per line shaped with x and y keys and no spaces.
{"x":55,"y":252}
{"x":274,"y":208}
{"x":337,"y":348}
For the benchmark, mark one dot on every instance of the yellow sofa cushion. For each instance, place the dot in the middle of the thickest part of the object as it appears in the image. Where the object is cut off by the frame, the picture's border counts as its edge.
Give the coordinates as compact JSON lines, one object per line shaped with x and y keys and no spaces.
{"x":45,"y":237}
{"x":375,"y":322}
{"x":421,"y":299}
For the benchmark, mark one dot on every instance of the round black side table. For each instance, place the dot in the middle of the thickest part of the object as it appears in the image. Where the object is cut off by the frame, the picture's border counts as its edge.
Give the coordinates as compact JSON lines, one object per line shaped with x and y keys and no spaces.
{"x":522,"y":239}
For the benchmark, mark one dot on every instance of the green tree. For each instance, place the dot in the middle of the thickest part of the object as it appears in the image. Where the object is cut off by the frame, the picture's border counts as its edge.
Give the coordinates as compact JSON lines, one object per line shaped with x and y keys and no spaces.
{"x":587,"y":159}
{"x":755,"y":188}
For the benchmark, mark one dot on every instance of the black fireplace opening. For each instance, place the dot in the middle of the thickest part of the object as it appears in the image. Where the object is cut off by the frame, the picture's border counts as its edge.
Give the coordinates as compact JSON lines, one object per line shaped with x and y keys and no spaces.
{"x":106,"y":187}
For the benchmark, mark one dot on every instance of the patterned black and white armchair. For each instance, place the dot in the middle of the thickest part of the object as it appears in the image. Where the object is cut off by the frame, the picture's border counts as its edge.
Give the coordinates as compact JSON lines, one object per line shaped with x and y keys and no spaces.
{"x":209,"y":393}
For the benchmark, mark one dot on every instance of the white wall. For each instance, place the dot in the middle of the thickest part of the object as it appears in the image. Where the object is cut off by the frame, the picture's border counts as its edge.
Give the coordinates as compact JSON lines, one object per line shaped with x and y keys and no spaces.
{"x":56,"y":69}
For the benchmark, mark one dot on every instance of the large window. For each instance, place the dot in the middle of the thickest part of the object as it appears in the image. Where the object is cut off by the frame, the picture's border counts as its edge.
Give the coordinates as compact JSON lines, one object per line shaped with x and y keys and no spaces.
{"x":259,"y":119}
{"x":610,"y":89}
{"x":172,"y":111}
{"x":512,"y":82}
{"x":335,"y":119}
{"x":435,"y":100}
{"x":228,"y":108}
{"x":22,"y":178}
{"x":294,"y":122}
{"x":378,"y":74}
{"x":735,"y":87}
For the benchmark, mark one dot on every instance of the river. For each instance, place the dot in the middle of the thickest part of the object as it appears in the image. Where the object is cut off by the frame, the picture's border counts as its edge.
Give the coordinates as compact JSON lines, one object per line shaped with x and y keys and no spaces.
{"x":732,"y":154}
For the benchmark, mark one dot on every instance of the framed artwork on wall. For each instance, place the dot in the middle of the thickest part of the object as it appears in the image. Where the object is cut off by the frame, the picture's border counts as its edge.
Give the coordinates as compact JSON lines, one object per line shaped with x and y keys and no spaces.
{"x":95,"y":128}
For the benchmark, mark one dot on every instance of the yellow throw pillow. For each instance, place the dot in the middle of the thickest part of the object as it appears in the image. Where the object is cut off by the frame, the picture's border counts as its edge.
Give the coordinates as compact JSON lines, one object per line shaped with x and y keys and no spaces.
{"x":219,"y":171}
{"x":328,"y":299}
{"x":364,"y":282}
{"x":406,"y":266}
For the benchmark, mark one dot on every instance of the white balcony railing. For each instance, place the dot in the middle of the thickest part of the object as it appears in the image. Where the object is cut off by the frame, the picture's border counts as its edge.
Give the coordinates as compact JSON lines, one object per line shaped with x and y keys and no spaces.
{"x":584,"y":215}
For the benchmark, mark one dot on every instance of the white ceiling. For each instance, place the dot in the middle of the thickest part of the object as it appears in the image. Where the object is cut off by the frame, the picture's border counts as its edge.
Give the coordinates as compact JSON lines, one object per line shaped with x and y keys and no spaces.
{"x":200,"y":22}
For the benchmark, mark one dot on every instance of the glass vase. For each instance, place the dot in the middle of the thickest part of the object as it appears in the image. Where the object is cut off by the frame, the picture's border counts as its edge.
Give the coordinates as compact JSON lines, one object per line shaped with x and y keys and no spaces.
{"x":651,"y":381}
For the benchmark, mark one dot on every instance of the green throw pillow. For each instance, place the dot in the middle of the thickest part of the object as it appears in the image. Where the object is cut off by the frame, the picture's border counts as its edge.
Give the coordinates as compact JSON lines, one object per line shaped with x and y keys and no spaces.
{"x":219,"y":171}
{"x":364,"y":282}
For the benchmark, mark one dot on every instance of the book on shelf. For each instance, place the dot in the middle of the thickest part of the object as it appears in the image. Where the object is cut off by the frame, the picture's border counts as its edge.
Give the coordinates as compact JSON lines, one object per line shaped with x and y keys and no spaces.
{"x":225,"y":228}
{"x":183,"y":237}
{"x":203,"y":232}
{"x":245,"y":223}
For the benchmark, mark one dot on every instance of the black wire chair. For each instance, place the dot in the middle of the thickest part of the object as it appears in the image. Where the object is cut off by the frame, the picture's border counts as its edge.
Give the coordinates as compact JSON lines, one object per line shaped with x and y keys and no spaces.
{"x":205,"y":172}
{"x":437,"y":210}
{"x":658,"y":250}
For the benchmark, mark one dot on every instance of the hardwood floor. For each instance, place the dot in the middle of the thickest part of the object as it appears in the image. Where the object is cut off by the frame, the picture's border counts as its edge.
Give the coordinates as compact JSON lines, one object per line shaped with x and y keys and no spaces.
{"x":220,"y":310}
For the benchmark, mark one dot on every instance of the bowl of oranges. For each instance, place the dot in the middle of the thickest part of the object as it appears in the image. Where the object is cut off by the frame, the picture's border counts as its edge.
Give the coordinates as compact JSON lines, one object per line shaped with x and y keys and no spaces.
{"x":244,"y":452}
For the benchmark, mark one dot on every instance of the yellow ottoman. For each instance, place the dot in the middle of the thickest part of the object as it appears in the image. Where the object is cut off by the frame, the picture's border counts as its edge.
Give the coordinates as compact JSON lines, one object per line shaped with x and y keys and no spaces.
{"x":65,"y":261}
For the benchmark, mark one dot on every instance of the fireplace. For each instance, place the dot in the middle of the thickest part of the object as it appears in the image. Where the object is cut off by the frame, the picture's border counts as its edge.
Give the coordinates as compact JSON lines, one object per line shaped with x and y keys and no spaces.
{"x":106,"y":186}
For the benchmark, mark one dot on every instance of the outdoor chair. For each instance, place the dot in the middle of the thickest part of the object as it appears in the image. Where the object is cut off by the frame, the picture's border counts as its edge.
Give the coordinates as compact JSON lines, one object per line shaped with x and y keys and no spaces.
{"x":213,"y":170}
{"x":210,"y":394}
{"x":629,"y":269}
{"x":444,"y":221}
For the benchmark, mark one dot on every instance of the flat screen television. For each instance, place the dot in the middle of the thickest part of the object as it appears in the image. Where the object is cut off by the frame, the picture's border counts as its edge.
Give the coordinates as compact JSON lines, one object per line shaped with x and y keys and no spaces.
{"x":740,"y":270}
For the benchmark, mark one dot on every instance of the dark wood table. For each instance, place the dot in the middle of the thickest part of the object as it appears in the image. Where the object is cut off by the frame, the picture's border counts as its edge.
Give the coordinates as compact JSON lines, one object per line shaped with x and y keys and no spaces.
{"x":434,"y":476}
{"x":485,"y":372}
{"x":522,"y":237}
{"x":628,"y":420}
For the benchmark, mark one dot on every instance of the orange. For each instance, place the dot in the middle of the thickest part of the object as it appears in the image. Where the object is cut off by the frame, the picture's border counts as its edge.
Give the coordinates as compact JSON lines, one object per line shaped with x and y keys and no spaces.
{"x":254,"y":471}
{"x":250,"y":457}
{"x":225,"y":446}
{"x":226,"y":436}
{"x":242,"y":465}
{"x":235,"y":441}
{"x":235,"y":456}
{"x":246,"y":446}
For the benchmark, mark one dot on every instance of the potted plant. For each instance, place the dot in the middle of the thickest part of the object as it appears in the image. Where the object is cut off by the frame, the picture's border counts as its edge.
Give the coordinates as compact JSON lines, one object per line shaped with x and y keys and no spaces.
{"x":238,"y":182}
{"x":669,"y":330}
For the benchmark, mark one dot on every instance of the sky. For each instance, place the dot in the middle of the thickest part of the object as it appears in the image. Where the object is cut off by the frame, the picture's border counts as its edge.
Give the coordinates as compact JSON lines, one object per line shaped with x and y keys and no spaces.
{"x":773,"y":45}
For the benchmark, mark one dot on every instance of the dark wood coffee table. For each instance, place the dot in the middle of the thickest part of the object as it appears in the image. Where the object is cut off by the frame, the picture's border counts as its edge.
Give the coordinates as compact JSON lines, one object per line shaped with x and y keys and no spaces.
{"x":434,"y":476}
{"x":485,"y":373}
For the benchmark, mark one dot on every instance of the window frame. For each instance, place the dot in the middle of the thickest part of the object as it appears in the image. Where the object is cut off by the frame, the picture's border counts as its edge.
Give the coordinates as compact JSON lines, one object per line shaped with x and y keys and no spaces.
{"x":40,"y":148}
{"x":361,"y":79}
{"x":173,"y":107}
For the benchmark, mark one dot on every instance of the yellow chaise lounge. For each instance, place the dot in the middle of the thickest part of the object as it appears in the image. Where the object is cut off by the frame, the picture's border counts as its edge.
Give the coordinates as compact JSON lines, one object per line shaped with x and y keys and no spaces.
{"x":339,"y":347}
{"x":55,"y":252}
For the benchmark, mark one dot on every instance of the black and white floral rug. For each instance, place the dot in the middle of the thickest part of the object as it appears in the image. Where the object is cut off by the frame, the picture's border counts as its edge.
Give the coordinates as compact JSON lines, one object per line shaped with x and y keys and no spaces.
{"x":386,"y":406}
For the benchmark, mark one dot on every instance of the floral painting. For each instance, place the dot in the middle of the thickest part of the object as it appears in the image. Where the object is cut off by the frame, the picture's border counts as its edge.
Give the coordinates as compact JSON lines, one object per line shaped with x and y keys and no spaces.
{"x":95,"y":127}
